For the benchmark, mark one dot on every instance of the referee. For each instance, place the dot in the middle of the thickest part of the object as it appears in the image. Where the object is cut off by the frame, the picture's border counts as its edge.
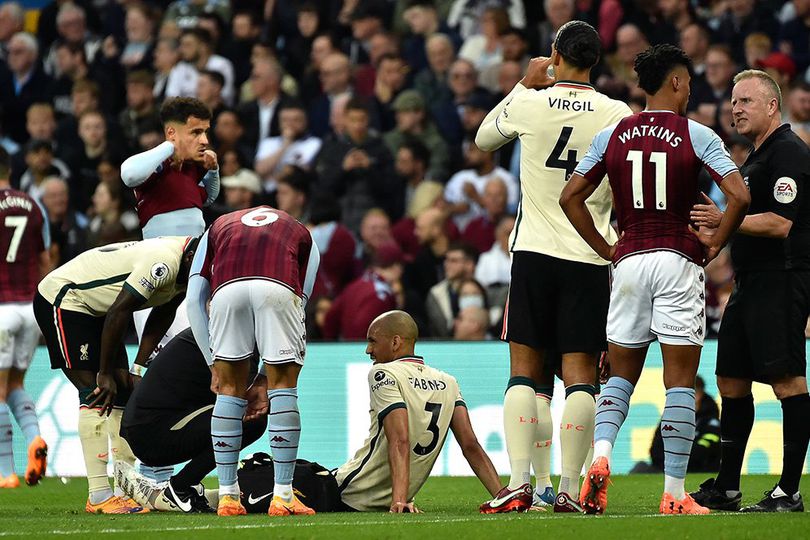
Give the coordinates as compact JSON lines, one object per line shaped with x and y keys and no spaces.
{"x":762,"y":333}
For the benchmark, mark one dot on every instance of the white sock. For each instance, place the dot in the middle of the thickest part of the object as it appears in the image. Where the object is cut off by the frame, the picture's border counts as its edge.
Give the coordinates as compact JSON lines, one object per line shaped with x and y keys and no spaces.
{"x":603,"y":448}
{"x":778,"y":492}
{"x":232,"y":490}
{"x":674,"y":486}
{"x":283,"y":491}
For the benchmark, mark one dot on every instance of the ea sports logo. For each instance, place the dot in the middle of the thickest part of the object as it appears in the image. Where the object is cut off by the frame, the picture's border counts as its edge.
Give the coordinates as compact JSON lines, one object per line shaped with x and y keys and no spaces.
{"x":784,"y":191}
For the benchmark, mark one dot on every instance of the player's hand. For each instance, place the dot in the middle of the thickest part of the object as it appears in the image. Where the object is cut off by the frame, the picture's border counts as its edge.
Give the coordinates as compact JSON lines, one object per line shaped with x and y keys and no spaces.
{"x":105,"y":393}
{"x":706,"y":236}
{"x":537,"y":76}
{"x":258,"y":403}
{"x":134,"y":380}
{"x":404,"y":508}
{"x":214,"y":381}
{"x":209,"y":160}
{"x":350,"y":161}
{"x":706,"y":215}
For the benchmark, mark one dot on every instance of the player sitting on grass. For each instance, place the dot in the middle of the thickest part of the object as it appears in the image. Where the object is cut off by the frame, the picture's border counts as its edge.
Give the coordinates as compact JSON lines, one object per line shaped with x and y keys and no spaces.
{"x":412,"y":408}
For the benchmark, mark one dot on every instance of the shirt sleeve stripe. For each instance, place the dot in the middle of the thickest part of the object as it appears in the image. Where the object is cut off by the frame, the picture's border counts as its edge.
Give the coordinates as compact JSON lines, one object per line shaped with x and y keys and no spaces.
{"x":135,"y":293}
{"x":498,"y":127}
{"x":383,"y":413}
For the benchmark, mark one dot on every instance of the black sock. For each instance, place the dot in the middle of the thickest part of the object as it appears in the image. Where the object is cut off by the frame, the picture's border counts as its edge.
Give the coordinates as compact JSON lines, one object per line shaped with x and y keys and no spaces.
{"x":194,"y":471}
{"x":736,"y":421}
{"x":795,"y":435}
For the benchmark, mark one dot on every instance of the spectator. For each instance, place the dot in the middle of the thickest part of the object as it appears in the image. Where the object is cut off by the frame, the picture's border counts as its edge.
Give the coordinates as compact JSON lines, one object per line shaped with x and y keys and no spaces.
{"x":558,"y":12}
{"x":413,"y":124}
{"x":356,"y":167}
{"x":494,"y":265}
{"x":366,"y":21}
{"x":245,"y":31}
{"x":423,"y":21}
{"x":72,"y":67}
{"x":431,"y":82}
{"x":464,"y":89}
{"x":465,"y":15}
{"x":241,"y":190}
{"x":231,"y":162}
{"x":738,"y":21}
{"x":695,"y":41}
{"x":483,"y":49}
{"x":757,"y":47}
{"x":297,"y":52}
{"x":141,"y":111}
{"x":187,"y":13}
{"x":412,"y":161}
{"x":138,"y":48}
{"x":514,"y":52}
{"x":367,"y":297}
{"x":209,"y":90}
{"x":107,"y":225}
{"x":335,"y":243}
{"x":71,"y":25}
{"x":335,"y":76}
{"x":779,"y":66}
{"x":677,"y":15}
{"x":427,"y":268}
{"x":294,"y":146}
{"x":197,"y":53}
{"x":442,"y":303}
{"x":623,"y":81}
{"x":391,"y":77}
{"x":94,"y":143}
{"x":375,"y":232}
{"x":228,"y":135}
{"x":471,"y":324}
{"x":40,"y":123}
{"x":260,"y":116}
{"x":316,"y":311}
{"x":794,"y":36}
{"x":41,"y":164}
{"x":84,"y":97}
{"x":465,"y":189}
{"x":798,"y":110}
{"x":23,"y":85}
{"x":292,"y":194}
{"x":68,"y":227}
{"x":720,"y":69}
{"x":12,"y":21}
{"x":46,"y":23}
{"x":480,"y":231}
{"x":427,"y":194}
{"x":169,"y":72}
{"x":310,"y":83}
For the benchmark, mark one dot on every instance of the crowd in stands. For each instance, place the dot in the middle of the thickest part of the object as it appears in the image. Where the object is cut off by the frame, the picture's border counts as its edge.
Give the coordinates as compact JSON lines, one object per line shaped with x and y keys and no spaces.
{"x":356,"y":117}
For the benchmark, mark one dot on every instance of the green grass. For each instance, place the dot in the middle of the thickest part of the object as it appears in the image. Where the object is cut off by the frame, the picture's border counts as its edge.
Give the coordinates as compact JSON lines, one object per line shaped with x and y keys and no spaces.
{"x":450,"y":506}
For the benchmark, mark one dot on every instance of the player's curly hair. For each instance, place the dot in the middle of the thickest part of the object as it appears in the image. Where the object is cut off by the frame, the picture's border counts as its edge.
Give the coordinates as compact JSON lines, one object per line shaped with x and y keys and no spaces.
{"x":654,"y":64}
{"x":180,"y":109}
{"x":578,"y":43}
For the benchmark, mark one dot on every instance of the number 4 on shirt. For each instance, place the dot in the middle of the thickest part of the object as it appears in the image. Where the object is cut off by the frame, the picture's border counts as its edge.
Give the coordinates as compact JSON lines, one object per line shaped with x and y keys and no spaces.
{"x":555,"y":160}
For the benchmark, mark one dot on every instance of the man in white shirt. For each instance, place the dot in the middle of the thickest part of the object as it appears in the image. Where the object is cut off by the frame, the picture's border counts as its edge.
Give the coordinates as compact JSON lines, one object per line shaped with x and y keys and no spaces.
{"x":295,"y":146}
{"x":465,"y":188}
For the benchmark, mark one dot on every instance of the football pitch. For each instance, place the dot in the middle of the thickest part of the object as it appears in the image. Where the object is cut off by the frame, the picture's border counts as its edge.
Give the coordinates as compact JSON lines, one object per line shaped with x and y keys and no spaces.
{"x":54,"y":509}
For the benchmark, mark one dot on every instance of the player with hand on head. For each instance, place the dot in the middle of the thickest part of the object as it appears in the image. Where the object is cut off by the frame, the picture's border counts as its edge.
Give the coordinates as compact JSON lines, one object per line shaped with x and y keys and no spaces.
{"x":762,"y":332}
{"x":257,"y":266}
{"x":83,"y":309}
{"x":560,"y":288}
{"x":653,"y":160}
{"x":25,"y":235}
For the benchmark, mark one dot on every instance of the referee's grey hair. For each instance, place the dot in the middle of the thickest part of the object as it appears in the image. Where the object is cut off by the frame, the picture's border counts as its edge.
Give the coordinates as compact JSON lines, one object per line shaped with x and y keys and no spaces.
{"x":764,"y":78}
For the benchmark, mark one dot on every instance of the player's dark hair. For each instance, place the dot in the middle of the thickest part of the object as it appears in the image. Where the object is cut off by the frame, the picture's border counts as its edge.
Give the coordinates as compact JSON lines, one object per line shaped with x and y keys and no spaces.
{"x":654,"y":64}
{"x":181,"y":109}
{"x":5,"y":164}
{"x":578,"y":43}
{"x":469,"y":252}
{"x":418,"y":150}
{"x":298,"y":178}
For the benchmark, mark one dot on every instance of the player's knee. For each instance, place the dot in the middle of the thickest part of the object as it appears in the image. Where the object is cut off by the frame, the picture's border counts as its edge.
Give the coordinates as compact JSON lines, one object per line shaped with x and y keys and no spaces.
{"x":789,"y":387}
{"x":730,"y":387}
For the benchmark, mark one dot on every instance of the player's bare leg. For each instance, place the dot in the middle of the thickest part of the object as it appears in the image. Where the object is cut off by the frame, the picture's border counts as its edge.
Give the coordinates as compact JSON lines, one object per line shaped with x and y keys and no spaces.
{"x":520,"y":424}
{"x":576,"y":428}
{"x":678,"y":426}
{"x":22,"y":408}
{"x":226,"y":431}
{"x":284,"y":429}
{"x":611,"y":410}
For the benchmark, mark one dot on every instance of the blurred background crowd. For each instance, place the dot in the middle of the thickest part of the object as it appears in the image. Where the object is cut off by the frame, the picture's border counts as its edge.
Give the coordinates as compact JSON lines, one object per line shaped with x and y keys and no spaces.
{"x":357,"y":117}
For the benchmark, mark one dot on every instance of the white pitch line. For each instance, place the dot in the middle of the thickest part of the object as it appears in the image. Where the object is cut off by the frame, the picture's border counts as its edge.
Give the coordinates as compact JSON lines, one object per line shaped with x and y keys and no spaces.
{"x":271,"y":524}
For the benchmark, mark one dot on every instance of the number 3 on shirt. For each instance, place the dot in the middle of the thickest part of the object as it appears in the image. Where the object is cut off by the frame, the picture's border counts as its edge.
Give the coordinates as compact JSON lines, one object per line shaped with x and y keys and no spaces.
{"x":435,"y":409}
{"x":259,"y":217}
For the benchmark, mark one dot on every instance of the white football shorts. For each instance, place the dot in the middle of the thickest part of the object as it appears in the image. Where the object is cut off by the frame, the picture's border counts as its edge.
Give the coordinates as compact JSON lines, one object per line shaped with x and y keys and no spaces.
{"x":660,"y":295}
{"x":257,"y":312}
{"x":19,"y":335}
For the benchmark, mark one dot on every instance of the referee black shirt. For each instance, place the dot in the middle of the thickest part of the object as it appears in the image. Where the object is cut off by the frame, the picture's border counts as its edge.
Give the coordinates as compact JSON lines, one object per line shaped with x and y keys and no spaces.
{"x":778,"y":177}
{"x":178,"y":381}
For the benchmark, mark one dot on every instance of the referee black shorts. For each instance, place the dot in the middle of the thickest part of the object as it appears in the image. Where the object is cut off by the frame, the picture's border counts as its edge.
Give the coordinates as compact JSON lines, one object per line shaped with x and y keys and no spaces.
{"x":73,"y":338}
{"x":761,"y":335}
{"x":557,"y":304}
